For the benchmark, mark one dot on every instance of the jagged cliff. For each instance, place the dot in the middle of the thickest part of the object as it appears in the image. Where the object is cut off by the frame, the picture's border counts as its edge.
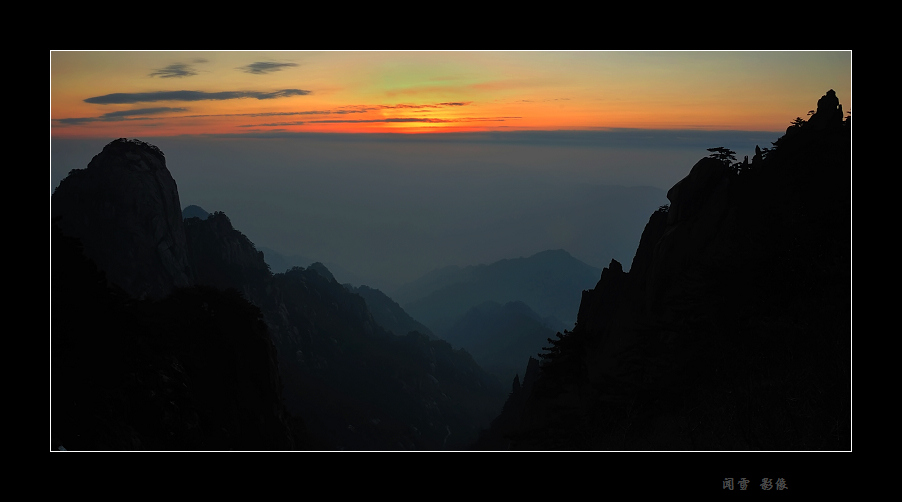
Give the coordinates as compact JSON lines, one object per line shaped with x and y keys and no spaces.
{"x":732,"y":329}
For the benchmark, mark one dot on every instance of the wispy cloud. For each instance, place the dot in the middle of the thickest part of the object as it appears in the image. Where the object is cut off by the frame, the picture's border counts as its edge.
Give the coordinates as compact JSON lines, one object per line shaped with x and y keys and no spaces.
{"x":348,"y":121}
{"x":140,"y":111}
{"x":71,"y":121}
{"x":436,"y":105}
{"x":283,"y":114}
{"x":264,"y":67}
{"x":146,"y":97}
{"x":138,"y":114}
{"x":414,"y":119}
{"x":274,"y":124}
{"x":175,"y":70}
{"x":389,"y":120}
{"x":541,"y":100}
{"x":126,"y":114}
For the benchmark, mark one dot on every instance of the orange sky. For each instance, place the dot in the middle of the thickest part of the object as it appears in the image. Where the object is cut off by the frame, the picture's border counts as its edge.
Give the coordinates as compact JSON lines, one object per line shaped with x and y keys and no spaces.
{"x":129,"y":94}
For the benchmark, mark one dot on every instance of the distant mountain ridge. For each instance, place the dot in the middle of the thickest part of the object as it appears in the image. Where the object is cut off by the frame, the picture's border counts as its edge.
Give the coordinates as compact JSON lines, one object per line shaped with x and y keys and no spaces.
{"x":549,"y":282}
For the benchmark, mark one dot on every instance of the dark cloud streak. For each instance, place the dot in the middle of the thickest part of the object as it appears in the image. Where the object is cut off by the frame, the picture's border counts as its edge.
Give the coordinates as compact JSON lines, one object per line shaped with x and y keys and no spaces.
{"x":122,"y":115}
{"x":140,"y":111}
{"x":282,"y":114}
{"x":437,"y":105}
{"x":264,"y":67}
{"x":146,"y":97}
{"x":175,"y":70}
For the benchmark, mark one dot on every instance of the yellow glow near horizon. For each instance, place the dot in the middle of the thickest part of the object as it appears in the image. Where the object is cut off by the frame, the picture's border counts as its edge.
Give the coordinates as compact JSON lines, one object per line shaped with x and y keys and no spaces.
{"x":243,"y":92}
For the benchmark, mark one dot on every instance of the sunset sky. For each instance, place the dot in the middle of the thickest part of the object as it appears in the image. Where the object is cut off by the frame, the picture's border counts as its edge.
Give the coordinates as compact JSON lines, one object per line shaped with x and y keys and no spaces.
{"x":113,"y":94}
{"x":549,"y":145}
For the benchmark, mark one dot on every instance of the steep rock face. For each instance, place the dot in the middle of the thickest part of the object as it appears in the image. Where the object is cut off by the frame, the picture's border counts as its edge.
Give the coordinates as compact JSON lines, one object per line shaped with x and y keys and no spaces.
{"x":639,"y":285}
{"x":124,"y":207}
{"x":700,"y":203}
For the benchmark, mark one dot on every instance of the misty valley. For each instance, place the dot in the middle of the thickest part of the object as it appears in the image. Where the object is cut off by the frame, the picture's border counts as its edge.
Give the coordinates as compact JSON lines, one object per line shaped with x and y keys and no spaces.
{"x":727,"y":328}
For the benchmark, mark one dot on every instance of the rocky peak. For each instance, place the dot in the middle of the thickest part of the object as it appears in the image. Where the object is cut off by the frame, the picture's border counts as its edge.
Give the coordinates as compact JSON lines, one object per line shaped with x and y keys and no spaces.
{"x":829,"y":112}
{"x":193,"y":211}
{"x":322,"y":270}
{"x":125,"y":209}
{"x":140,"y":155}
{"x":532,"y":373}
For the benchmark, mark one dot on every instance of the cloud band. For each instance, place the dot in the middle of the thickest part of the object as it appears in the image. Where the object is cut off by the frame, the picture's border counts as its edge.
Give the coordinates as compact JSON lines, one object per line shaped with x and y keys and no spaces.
{"x":119,"y":98}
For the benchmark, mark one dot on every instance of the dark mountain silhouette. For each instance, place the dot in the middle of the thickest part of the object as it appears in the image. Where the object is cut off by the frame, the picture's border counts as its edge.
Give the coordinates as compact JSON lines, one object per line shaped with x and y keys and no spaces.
{"x":387,"y":313}
{"x":501,"y":337}
{"x":220,"y":353}
{"x":732,"y":329}
{"x":125,"y":210}
{"x":549,"y":282}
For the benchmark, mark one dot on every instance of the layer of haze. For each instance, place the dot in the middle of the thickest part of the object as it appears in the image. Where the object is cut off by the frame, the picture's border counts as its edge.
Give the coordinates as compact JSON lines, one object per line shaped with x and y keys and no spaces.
{"x":389,"y":208}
